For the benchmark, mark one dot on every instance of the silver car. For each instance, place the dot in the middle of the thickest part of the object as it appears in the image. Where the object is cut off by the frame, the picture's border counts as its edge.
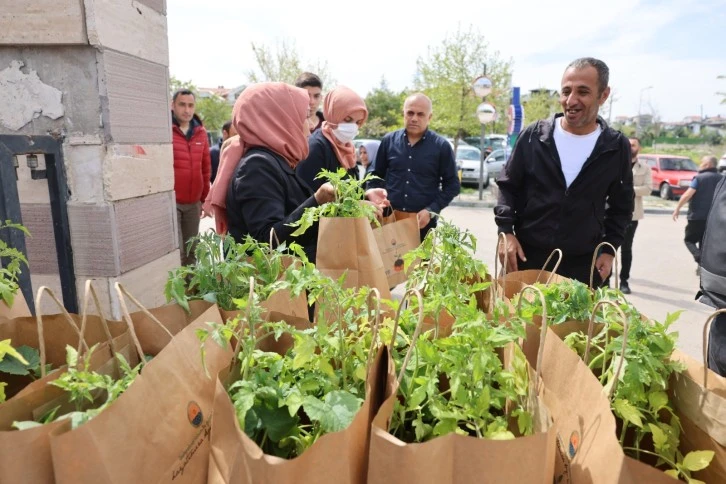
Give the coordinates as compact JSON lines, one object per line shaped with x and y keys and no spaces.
{"x":495,"y":162}
{"x":468,"y":159}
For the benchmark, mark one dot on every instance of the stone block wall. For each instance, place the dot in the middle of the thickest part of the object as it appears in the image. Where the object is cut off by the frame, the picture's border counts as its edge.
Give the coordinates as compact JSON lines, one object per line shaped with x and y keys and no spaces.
{"x":108,"y":59}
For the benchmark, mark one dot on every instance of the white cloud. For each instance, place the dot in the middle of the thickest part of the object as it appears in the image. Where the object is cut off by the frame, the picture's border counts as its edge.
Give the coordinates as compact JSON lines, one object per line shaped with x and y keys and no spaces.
{"x":210,"y":43}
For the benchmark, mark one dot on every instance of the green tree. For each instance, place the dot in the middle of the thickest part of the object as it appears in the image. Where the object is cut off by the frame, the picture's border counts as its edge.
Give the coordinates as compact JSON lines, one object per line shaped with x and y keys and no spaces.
{"x":175,"y":85}
{"x":541,"y":103}
{"x":284,"y":64}
{"x":214,"y":112}
{"x":385,"y":111}
{"x":446,"y":75}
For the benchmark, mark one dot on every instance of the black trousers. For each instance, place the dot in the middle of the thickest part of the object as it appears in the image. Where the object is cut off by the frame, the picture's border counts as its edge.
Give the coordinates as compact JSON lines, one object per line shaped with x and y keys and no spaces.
{"x":574,"y":266}
{"x":626,"y":251}
{"x":694,"y":235}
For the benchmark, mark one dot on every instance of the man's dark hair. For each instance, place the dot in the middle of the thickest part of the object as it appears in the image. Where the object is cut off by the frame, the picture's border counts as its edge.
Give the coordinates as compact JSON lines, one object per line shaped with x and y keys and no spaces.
{"x":226,"y":126}
{"x":183,"y":92}
{"x":603,"y":72}
{"x":308,"y":79}
{"x":635,"y":138}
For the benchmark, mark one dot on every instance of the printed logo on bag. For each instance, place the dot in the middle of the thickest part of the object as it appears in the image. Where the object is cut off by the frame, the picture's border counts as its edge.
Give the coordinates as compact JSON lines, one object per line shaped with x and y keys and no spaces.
{"x":393,"y":241}
{"x":574,"y":443}
{"x":194,"y":413}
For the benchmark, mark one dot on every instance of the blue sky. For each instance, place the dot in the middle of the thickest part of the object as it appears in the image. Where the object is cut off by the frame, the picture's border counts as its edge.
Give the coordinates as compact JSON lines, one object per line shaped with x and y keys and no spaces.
{"x":674,"y":46}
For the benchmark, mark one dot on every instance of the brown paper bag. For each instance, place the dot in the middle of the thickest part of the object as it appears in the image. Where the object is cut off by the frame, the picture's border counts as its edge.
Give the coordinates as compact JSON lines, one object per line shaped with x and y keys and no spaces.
{"x":347,"y":245}
{"x":58,"y":331}
{"x":699,"y":398}
{"x":395,"y":237}
{"x":25,"y":456}
{"x":587,"y":446}
{"x":158,"y":430}
{"x":338,"y":457}
{"x":458,"y":459}
{"x":514,"y":282}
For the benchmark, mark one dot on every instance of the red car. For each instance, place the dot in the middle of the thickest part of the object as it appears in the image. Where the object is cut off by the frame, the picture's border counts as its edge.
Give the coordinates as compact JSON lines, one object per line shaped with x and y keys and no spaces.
{"x":672,"y":174}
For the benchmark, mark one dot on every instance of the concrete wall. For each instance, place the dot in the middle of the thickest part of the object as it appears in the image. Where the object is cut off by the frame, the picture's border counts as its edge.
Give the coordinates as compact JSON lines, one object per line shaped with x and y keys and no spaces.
{"x":95,"y":74}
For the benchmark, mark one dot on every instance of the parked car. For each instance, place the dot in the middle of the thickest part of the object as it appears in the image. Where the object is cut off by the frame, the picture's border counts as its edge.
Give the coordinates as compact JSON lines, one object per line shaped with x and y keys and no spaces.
{"x":496,"y":161}
{"x":722,"y":164}
{"x":468,"y":160}
{"x":672,"y":174}
{"x":491,"y":142}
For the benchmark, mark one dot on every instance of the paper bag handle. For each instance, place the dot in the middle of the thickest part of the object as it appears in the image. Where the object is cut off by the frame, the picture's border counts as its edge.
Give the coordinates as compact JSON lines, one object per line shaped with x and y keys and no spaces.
{"x":416,"y":333}
{"x":590,"y":328}
{"x":273,"y":237}
{"x":543,"y":328}
{"x":122,"y":295}
{"x":705,"y":344}
{"x":39,"y":321}
{"x":373,"y":295}
{"x":91,"y":291}
{"x":554,"y":269}
{"x":615,"y":264}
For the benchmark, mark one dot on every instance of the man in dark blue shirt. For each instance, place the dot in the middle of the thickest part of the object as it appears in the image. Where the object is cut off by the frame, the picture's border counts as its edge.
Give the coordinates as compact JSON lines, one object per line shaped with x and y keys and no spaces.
{"x":417,"y":166}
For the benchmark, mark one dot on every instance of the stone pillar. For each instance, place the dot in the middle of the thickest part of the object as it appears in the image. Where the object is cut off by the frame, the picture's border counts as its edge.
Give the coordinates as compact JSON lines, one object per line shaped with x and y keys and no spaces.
{"x":94,"y":73}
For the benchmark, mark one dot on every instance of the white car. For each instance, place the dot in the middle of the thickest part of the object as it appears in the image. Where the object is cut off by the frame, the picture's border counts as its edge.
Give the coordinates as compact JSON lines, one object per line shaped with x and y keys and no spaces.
{"x":722,"y":164}
{"x":468,"y":161}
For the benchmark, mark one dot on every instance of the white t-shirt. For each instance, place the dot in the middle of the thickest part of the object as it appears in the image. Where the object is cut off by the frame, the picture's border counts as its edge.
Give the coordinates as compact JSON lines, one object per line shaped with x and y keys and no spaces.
{"x":574,"y":149}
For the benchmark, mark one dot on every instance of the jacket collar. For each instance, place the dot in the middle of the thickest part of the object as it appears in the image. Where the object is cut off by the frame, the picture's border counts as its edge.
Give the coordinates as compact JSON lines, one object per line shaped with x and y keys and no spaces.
{"x":546,"y":130}
{"x":708,"y":170}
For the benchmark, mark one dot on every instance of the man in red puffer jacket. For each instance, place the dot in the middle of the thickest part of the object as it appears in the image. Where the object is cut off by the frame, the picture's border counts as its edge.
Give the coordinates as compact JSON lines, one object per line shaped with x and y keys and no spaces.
{"x":192,"y":169}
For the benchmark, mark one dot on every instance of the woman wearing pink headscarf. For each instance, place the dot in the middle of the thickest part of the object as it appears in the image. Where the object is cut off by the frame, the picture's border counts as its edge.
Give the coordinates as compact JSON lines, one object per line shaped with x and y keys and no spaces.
{"x":257,"y":190}
{"x":331,"y":147}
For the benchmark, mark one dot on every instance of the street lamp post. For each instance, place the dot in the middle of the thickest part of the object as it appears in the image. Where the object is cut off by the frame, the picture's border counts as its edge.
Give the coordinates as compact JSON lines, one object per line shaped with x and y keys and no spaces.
{"x":639,"y":125}
{"x":486,"y":113}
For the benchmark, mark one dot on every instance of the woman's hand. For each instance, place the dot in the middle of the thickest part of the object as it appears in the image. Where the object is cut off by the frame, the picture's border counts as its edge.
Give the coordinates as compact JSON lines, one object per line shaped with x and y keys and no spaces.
{"x":325,"y":194}
{"x":378,"y":196}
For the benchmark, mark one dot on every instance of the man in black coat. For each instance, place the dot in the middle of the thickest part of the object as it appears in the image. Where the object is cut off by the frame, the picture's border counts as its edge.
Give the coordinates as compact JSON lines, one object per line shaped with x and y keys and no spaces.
{"x":700,"y":195}
{"x":563,"y":170}
{"x":713,"y":276}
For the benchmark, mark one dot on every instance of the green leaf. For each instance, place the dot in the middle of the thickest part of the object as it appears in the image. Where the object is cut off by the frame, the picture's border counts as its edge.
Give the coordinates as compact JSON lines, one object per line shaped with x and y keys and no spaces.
{"x":20,"y":362}
{"x":673,"y":473}
{"x":628,"y":412}
{"x":29,"y":424}
{"x":697,"y":460}
{"x":303,"y":353}
{"x":294,"y":401}
{"x":3,"y":397}
{"x":335,"y":412}
{"x":445,"y":426}
{"x":657,"y":400}
{"x":277,"y":422}
{"x":660,"y":439}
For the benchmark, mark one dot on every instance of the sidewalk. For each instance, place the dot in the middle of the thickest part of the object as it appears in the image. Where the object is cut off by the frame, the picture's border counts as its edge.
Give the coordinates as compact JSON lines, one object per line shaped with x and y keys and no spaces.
{"x":470,"y":199}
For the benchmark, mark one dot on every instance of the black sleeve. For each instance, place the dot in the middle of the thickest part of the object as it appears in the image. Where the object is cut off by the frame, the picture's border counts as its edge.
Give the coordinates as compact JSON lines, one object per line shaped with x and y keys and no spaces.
{"x":380,"y":166}
{"x":258,"y":190}
{"x":511,"y":185}
{"x":450,"y":186}
{"x":318,"y":160}
{"x":620,"y":200}
{"x":214,"y":155}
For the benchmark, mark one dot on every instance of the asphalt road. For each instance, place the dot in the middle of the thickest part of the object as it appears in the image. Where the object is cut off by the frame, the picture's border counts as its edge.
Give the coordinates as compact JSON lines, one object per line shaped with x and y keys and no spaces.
{"x":663,"y":277}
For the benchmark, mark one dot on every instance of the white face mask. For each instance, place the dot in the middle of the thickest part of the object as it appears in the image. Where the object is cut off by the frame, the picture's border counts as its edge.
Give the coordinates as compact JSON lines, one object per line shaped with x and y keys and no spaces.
{"x":345,"y":132}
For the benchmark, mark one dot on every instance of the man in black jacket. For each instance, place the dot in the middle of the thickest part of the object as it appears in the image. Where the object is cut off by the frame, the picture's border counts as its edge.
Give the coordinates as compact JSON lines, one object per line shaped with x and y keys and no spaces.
{"x":700,"y":194}
{"x":713,"y":276}
{"x":554,"y":188}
